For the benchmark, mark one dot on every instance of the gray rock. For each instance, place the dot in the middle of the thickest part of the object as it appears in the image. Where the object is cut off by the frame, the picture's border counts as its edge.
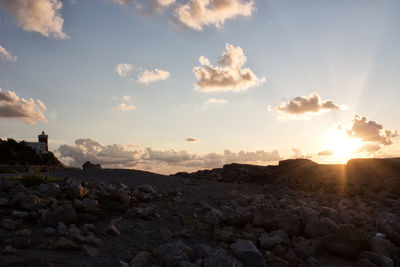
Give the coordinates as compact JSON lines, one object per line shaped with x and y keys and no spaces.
{"x":382,"y":246}
{"x":316,"y":228}
{"x":220,"y":258}
{"x":50,"y":189}
{"x":10,"y":250}
{"x":90,"y":204}
{"x":270,"y":240}
{"x":247,"y":253}
{"x":347,"y":242}
{"x":10,"y":224}
{"x":63,"y":213}
{"x":20,"y":214}
{"x":63,"y":244}
{"x":175,"y":252}
{"x":62,"y":228}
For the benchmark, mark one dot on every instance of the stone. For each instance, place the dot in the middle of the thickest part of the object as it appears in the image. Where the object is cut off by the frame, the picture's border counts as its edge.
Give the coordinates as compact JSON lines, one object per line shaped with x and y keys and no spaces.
{"x":90,"y":204}
{"x":270,"y":240}
{"x":275,"y":219}
{"x":316,"y":228}
{"x":225,"y":236}
{"x":50,"y":189}
{"x":141,"y":259}
{"x":365,"y":263}
{"x":389,"y":224}
{"x":74,"y":232}
{"x":64,"y":213}
{"x":75,"y":190}
{"x":382,"y":246}
{"x":213,"y":216}
{"x":90,"y":251}
{"x":10,"y":224}
{"x":31,"y":202}
{"x":92,"y":239}
{"x":20,"y":214}
{"x":3,"y":201}
{"x":247,"y":253}
{"x":63,"y":244}
{"x":175,"y":252}
{"x":348,"y":242}
{"x":62,"y":228}
{"x":221,"y":258}
{"x":113,"y":230}
{"x":10,"y":250}
{"x":48,"y":231}
{"x":24,"y":232}
{"x":146,"y":189}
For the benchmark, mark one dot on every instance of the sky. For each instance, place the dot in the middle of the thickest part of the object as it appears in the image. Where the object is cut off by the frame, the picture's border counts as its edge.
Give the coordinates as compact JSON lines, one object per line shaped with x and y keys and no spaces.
{"x":167,"y":86}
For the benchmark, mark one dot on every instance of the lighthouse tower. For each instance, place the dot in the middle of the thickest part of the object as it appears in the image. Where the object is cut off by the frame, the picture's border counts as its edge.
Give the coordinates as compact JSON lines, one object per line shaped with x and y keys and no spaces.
{"x":43,"y":138}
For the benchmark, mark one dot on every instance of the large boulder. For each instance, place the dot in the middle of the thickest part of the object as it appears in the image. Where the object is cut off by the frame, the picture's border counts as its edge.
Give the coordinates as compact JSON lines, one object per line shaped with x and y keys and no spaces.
{"x":348,"y":242}
{"x":275,"y":219}
{"x":63,"y":213}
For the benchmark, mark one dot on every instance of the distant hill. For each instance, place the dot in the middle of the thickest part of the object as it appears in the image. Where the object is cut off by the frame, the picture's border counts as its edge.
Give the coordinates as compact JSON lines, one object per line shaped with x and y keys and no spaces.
{"x":19,"y":153}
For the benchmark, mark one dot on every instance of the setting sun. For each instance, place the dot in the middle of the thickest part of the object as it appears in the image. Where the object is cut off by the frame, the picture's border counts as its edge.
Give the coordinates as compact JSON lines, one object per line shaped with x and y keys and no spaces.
{"x":342,"y":146}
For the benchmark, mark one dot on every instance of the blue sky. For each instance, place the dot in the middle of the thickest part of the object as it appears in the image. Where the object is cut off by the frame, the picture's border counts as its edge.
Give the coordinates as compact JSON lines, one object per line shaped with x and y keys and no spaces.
{"x":345,"y":51}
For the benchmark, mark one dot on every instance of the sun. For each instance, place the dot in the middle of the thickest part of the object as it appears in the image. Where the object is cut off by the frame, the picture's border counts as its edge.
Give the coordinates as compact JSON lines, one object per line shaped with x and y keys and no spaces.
{"x":342,"y":146}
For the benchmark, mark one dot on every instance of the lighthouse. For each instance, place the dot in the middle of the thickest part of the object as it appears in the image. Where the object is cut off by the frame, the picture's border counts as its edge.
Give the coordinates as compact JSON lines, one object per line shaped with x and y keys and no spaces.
{"x":43,"y":139}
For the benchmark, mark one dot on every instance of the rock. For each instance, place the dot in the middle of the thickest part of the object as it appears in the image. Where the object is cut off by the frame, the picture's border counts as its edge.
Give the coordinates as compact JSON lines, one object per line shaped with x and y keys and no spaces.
{"x":20,"y":214}
{"x":63,"y":213}
{"x":365,"y":263}
{"x":62,"y":228}
{"x":166,"y":233}
{"x":141,"y":259}
{"x":213,"y":216}
{"x":3,"y":201}
{"x":247,"y":253}
{"x":389,"y":224}
{"x":146,"y":189}
{"x":10,"y":250}
{"x":225,"y":236}
{"x":90,"y":251}
{"x":50,"y":189}
{"x":75,"y":190}
{"x":48,"y":231}
{"x":382,"y":246}
{"x":270,"y":240}
{"x":220,"y":258}
{"x":88,"y":166}
{"x":120,"y":195}
{"x":274,"y":219}
{"x":24,"y":232}
{"x":31,"y":202}
{"x":316,"y":228}
{"x":10,"y":224}
{"x":113,"y":230}
{"x":175,"y":252}
{"x":63,"y":244}
{"x":277,"y":262}
{"x":347,"y":242}
{"x":90,"y":204}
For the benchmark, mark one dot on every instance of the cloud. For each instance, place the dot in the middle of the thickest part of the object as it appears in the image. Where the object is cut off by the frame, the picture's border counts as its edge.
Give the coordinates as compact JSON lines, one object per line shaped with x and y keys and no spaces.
{"x":142,"y":75}
{"x":123,"y":69}
{"x":228,"y":75}
{"x":191,"y":139}
{"x":196,"y":14}
{"x":171,"y":160}
{"x":146,"y":6}
{"x":369,"y":148}
{"x":215,"y":101}
{"x":147,"y":76}
{"x":12,"y":106}
{"x":124,"y":104}
{"x":299,"y":155}
{"x":42,"y":16}
{"x":311,"y":105}
{"x":7,"y":55}
{"x":325,"y":153}
{"x":370,"y":131}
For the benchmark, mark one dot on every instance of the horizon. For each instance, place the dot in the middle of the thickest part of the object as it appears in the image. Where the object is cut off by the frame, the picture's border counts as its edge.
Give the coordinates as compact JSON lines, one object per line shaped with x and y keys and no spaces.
{"x":161,"y":86}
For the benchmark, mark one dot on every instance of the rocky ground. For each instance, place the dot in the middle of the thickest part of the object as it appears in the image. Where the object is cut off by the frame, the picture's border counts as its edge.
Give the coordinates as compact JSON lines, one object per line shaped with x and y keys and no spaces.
{"x":296,"y":214}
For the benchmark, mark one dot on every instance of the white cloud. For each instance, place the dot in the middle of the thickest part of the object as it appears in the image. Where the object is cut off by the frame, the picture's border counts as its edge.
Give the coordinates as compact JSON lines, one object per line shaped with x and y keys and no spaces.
{"x":142,"y":75}
{"x":325,"y":153}
{"x":299,"y":155}
{"x":216,"y":101}
{"x":146,"y":6}
{"x":42,"y":16}
{"x":196,"y":14}
{"x":302,"y":106}
{"x":123,"y":69}
{"x":147,"y":76}
{"x":12,"y":106}
{"x":370,"y":131}
{"x":117,"y":155}
{"x":124,"y":104}
{"x":228,"y":75}
{"x":7,"y":54}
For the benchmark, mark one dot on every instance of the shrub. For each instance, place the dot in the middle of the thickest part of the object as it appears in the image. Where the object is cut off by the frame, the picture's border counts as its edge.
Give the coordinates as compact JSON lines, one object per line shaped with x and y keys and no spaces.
{"x":35,"y":179}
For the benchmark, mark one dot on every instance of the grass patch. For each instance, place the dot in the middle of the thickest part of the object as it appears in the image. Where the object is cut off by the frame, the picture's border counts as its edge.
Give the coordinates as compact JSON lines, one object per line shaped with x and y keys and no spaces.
{"x":34,"y":179}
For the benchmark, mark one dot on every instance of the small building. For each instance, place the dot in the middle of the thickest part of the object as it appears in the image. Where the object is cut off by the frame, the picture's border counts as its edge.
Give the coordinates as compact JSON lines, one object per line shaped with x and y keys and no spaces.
{"x":42,"y":145}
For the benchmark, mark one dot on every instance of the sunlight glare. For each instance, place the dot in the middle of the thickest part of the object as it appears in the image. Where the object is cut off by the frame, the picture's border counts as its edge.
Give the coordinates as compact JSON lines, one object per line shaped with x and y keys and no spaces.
{"x":342,"y":146}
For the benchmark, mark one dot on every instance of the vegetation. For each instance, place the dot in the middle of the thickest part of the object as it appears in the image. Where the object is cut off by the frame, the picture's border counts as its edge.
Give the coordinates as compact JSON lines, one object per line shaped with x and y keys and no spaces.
{"x":34,"y":178}
{"x":19,"y":153}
